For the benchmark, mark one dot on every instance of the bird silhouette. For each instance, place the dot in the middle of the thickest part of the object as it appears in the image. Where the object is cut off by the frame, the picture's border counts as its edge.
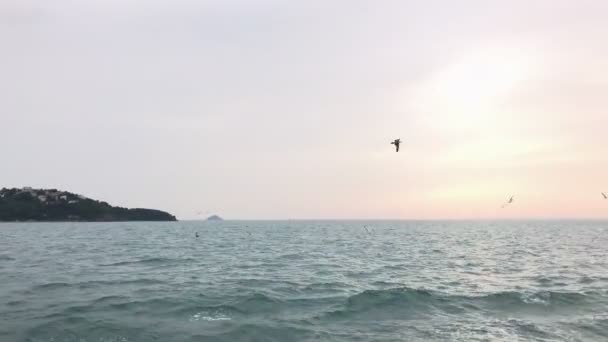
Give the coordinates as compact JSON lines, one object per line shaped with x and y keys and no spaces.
{"x":508,"y":202}
{"x":396,"y":143}
{"x":605,"y":197}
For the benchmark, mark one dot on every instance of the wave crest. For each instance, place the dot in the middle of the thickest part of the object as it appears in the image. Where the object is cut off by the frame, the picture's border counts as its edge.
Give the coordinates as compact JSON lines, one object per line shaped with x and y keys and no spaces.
{"x":403,"y":301}
{"x":148,"y":261}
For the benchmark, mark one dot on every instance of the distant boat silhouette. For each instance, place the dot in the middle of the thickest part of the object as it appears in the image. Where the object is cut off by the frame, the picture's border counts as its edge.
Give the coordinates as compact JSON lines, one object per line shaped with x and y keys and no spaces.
{"x":397,"y":142}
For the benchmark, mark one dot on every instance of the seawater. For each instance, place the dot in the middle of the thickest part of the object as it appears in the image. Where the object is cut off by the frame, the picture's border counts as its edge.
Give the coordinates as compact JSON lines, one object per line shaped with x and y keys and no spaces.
{"x":304,"y":281}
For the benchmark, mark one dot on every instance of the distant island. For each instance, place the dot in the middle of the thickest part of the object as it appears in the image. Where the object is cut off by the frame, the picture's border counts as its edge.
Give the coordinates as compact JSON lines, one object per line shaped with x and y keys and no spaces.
{"x":214,"y":218}
{"x":27,"y":204}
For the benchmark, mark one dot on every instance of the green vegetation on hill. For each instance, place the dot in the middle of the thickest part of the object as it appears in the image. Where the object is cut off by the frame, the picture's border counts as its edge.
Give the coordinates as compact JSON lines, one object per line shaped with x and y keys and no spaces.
{"x":29,"y":204}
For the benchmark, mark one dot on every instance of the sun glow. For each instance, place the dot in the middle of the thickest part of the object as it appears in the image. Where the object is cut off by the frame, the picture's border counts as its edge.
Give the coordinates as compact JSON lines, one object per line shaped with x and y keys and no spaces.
{"x":471,"y":89}
{"x":479,"y":80}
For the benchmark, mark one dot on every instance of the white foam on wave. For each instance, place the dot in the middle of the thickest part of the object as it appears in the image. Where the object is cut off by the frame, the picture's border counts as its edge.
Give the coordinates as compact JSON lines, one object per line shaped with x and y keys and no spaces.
{"x":205,"y":316}
{"x":537,"y":298}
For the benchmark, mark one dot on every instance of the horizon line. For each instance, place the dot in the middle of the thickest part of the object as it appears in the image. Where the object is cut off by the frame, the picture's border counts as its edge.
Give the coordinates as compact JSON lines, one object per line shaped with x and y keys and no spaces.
{"x":415,"y":219}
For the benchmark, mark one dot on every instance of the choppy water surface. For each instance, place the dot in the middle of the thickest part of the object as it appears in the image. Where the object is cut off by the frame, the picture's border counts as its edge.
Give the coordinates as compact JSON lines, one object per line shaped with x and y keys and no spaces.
{"x":304,"y":281}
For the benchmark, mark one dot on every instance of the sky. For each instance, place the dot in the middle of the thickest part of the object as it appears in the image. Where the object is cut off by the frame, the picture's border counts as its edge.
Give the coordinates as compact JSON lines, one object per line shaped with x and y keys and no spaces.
{"x":273,"y":109}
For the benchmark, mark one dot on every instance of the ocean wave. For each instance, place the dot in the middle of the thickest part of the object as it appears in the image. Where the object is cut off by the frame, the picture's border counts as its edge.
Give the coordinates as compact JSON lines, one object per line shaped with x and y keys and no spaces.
{"x":118,"y":304}
{"x":118,"y":282}
{"x":15,"y":303}
{"x":51,"y":286}
{"x":79,"y":329}
{"x":587,"y":280}
{"x":190,"y":310}
{"x":545,"y":298}
{"x":403,"y":300}
{"x":327,"y":286}
{"x":179,"y":306}
{"x":92,"y":284}
{"x":148,"y":261}
{"x":257,"y":302}
{"x":151,"y":305}
{"x":209,"y":316}
{"x":395,"y":296}
{"x":109,"y":299}
{"x":251,"y":304}
{"x":6,"y":258}
{"x":291,"y":256}
{"x":261,"y":332}
{"x":529,"y":329}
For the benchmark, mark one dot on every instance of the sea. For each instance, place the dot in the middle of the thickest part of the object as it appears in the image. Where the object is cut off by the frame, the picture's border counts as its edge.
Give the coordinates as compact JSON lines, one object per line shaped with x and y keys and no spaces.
{"x":304,"y":281}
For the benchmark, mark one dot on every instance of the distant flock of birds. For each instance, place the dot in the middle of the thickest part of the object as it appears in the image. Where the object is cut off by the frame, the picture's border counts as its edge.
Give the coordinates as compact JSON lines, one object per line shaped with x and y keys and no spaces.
{"x":397,"y":143}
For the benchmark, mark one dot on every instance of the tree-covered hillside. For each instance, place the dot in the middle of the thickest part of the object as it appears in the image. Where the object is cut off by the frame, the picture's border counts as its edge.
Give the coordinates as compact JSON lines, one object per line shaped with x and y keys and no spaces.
{"x":29,"y":204}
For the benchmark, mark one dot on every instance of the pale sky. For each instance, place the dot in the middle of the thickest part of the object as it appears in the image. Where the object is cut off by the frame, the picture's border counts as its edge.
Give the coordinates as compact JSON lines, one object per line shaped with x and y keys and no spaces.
{"x":274,"y":109}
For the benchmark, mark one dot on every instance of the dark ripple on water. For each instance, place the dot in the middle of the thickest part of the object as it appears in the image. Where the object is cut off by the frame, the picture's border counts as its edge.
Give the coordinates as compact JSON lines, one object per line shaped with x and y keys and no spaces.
{"x":304,"y":281}
{"x":149,"y":261}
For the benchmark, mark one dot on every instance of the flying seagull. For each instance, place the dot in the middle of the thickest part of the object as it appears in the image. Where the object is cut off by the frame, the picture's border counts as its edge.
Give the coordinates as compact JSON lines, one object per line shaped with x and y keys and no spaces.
{"x":396,"y":143}
{"x":508,"y":202}
{"x":605,"y":197}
